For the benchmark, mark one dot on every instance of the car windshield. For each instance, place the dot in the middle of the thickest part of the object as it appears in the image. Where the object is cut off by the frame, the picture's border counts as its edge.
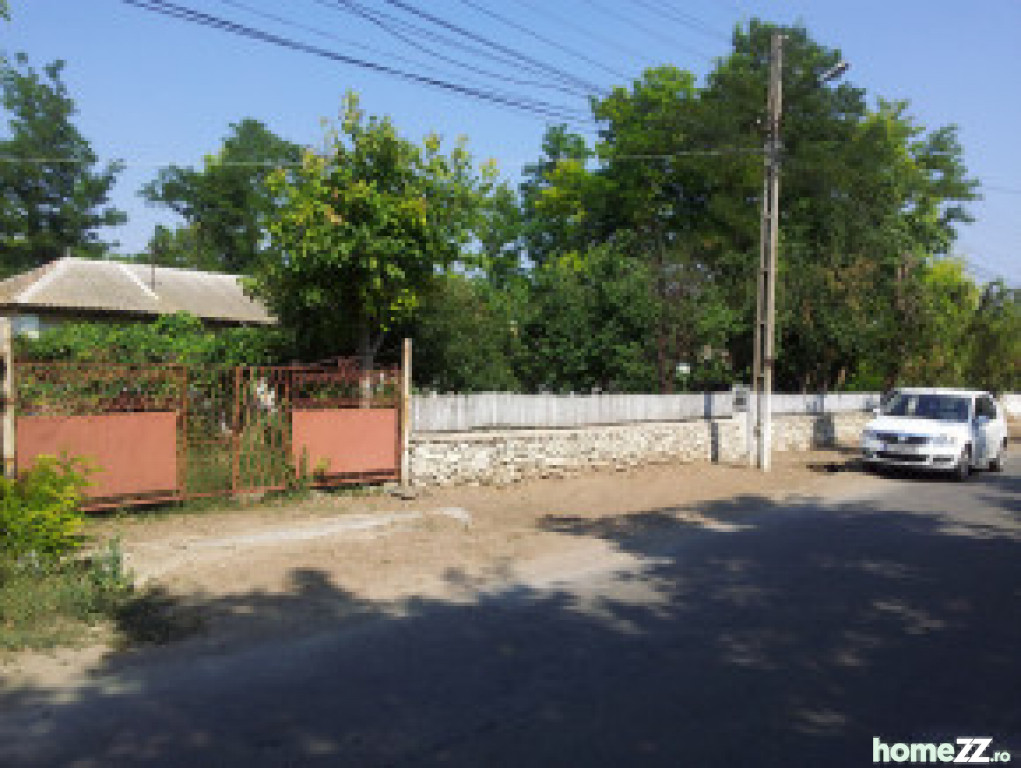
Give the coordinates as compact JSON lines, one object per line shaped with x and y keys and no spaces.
{"x":938,"y":407}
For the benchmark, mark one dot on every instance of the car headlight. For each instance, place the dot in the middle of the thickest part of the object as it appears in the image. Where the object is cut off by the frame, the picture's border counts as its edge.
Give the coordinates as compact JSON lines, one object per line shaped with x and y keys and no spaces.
{"x":943,"y":440}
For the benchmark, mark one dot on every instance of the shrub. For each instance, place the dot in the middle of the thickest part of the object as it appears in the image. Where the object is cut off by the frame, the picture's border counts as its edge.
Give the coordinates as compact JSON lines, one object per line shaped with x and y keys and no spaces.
{"x":39,"y":515}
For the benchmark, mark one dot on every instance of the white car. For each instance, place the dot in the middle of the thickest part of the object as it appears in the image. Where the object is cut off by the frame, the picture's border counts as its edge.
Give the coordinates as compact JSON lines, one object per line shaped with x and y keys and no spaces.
{"x":955,"y":430}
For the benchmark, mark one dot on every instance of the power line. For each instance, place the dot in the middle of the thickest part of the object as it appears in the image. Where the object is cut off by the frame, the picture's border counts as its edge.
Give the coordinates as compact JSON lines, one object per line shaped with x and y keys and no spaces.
{"x":1001,"y":190}
{"x":531,"y":33}
{"x":528,"y":60}
{"x":684,"y":19}
{"x":388,"y":24}
{"x":542,"y":10}
{"x":628,"y":19}
{"x":329,"y":36}
{"x":718,"y":152}
{"x":275,"y":164}
{"x":535,"y":107}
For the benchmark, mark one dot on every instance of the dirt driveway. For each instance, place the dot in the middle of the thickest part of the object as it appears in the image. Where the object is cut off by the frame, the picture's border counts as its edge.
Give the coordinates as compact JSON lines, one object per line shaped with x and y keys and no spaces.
{"x":245,"y":574}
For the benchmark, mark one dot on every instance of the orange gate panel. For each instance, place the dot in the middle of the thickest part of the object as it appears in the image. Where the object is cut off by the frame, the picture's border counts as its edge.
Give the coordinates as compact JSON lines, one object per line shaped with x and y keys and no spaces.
{"x":133,"y":453}
{"x":347,"y":441}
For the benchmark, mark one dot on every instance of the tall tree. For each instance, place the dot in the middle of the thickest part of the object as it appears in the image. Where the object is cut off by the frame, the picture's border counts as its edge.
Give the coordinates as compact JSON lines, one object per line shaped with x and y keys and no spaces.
{"x":225,"y":205}
{"x":996,"y":339}
{"x":466,"y":334}
{"x":870,"y":199}
{"x":54,"y":196}
{"x":868,"y":196}
{"x":361,"y":230}
{"x":589,"y":324}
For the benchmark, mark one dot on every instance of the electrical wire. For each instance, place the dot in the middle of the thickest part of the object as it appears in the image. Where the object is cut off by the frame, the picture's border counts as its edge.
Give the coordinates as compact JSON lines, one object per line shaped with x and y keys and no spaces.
{"x":542,"y":38}
{"x":543,"y":10}
{"x":266,"y":15}
{"x":688,"y":20}
{"x":524,"y":58}
{"x":651,"y":31}
{"x":390,"y":25}
{"x":535,"y":107}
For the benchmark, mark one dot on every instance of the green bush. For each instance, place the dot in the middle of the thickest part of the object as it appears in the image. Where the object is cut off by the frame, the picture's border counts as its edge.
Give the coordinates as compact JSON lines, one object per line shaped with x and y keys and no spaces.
{"x":40,"y":518}
{"x":177,"y":339}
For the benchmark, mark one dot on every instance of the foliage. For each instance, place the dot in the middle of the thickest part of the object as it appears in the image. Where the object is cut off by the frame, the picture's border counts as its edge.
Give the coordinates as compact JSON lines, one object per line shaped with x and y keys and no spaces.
{"x":465,"y":334}
{"x":362,"y":228}
{"x":996,"y":339}
{"x":179,"y":338}
{"x":589,"y":324}
{"x":54,"y":605}
{"x":870,"y":200}
{"x":39,"y":515}
{"x":225,"y":205}
{"x":55,"y":197}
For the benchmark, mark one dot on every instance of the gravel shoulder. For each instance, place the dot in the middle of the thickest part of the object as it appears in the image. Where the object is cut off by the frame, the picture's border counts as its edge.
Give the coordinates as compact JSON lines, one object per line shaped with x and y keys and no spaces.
{"x":249,"y":574}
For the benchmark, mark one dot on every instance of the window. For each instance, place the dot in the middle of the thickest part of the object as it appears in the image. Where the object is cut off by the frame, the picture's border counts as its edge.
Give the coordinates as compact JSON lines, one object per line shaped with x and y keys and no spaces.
{"x":985,"y":406}
{"x":924,"y":406}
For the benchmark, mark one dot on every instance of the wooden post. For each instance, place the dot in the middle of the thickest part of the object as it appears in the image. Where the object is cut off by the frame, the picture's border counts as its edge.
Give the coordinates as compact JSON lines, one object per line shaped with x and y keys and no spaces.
{"x":766,"y":299}
{"x":9,"y":432}
{"x":405,"y":414}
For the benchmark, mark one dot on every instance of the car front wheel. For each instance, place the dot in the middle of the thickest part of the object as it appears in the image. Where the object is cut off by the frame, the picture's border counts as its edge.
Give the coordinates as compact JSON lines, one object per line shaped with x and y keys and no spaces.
{"x":963,"y":468}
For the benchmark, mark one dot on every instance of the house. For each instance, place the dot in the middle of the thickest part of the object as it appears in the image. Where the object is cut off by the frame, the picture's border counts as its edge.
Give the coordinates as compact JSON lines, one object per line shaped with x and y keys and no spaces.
{"x":75,"y":290}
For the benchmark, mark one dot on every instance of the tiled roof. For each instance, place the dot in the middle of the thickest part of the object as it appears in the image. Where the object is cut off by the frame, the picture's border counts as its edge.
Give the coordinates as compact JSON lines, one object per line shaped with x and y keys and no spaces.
{"x":76,"y":285}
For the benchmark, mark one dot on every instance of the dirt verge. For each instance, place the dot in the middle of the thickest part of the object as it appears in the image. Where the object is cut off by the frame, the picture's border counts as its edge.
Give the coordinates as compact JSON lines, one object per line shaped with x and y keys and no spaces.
{"x":239,"y":575}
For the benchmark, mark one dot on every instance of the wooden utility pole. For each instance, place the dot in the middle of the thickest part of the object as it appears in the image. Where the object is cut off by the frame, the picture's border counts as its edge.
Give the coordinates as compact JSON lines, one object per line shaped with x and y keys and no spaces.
{"x":765,"y":310}
{"x":405,"y":413}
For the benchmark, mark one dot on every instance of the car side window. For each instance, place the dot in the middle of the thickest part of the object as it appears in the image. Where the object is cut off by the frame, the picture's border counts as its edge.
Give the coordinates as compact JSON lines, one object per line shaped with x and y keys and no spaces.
{"x":985,"y":407}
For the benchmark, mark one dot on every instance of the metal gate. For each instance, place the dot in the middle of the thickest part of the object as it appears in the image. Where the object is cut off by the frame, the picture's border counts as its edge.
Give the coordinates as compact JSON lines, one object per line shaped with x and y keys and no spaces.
{"x":161,"y":432}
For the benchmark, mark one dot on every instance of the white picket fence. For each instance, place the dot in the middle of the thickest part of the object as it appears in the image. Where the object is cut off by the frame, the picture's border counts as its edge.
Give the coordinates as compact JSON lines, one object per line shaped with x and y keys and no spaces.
{"x":502,"y":410}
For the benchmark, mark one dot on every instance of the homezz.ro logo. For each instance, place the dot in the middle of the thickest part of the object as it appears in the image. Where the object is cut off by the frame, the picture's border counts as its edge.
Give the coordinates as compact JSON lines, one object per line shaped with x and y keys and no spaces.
{"x":964,"y":751}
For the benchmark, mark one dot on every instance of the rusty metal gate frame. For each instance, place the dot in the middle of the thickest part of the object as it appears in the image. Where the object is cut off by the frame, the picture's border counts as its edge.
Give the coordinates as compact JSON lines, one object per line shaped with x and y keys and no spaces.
{"x":234,"y":425}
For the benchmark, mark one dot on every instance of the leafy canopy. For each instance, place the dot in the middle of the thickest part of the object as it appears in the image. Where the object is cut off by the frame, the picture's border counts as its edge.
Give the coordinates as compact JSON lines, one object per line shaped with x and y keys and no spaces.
{"x":361,"y":229}
{"x":225,"y":205}
{"x":53,"y":194}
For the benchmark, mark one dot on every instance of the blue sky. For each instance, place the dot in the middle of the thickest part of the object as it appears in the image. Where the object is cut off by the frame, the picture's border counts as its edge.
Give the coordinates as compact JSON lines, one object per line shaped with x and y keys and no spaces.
{"x":153,"y":90}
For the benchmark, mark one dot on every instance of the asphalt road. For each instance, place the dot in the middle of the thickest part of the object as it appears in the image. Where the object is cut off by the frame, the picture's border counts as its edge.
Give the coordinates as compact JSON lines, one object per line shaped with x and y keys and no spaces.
{"x":785,"y":636}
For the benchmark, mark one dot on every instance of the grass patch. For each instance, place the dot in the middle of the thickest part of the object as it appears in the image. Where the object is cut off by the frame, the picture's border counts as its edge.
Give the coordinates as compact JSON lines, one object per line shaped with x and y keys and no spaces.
{"x":62,"y":604}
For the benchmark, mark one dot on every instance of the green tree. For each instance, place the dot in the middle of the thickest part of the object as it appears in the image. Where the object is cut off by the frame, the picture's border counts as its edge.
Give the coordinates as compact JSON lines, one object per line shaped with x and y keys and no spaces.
{"x":53,"y":194}
{"x":362,"y":229}
{"x":557,"y":204}
{"x":466,"y":335}
{"x":996,"y":339}
{"x":225,"y":205}
{"x":589,"y":324}
{"x":870,"y":199}
{"x":178,"y":247}
{"x":869,"y":196}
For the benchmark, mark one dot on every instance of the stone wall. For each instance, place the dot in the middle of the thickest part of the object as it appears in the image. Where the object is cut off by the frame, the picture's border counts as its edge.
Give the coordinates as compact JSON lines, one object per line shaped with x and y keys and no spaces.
{"x":507,"y":456}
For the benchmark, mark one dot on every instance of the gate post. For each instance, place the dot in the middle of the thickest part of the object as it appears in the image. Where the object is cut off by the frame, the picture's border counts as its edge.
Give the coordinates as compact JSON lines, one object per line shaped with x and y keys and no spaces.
{"x":405,"y":414}
{"x":9,"y":431}
{"x":235,"y":439}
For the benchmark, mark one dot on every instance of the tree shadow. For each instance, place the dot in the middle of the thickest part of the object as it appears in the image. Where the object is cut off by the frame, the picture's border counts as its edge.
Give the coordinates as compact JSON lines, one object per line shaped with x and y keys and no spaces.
{"x":737,"y":632}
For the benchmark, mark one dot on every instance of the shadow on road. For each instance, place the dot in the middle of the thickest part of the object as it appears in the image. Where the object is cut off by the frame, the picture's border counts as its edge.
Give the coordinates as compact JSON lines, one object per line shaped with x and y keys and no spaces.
{"x":744,"y":633}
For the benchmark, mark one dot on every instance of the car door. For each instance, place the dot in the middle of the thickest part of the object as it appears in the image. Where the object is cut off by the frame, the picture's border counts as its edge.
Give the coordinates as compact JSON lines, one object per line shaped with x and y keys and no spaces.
{"x":985,"y":441}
